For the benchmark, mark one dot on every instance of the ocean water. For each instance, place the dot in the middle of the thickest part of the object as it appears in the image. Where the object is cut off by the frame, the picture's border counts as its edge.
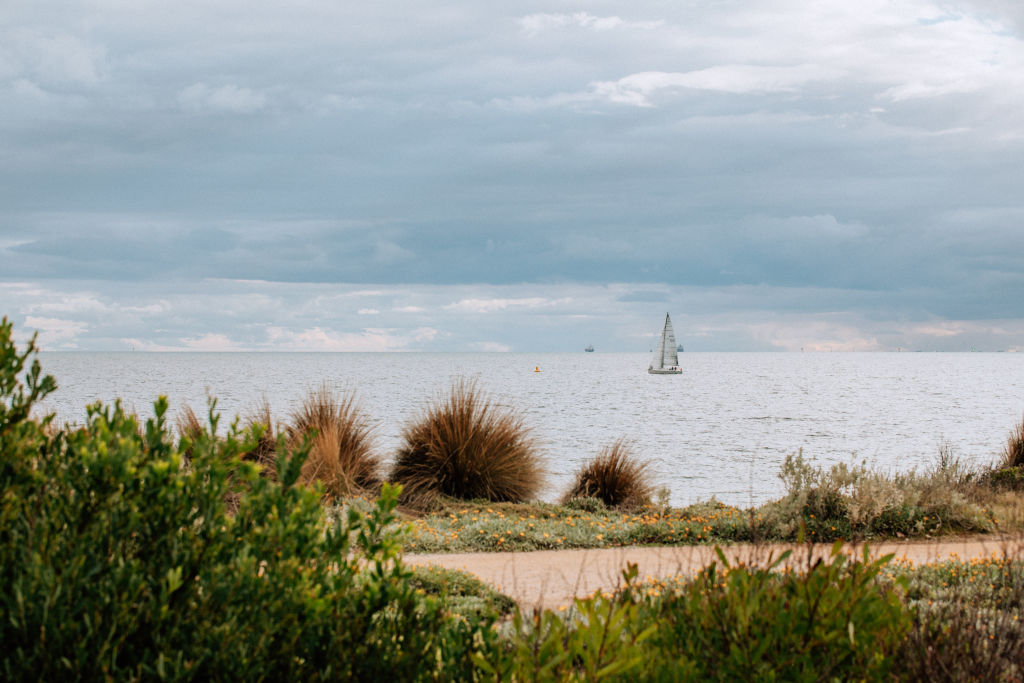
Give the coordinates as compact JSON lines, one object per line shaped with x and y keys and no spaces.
{"x":722,"y":428}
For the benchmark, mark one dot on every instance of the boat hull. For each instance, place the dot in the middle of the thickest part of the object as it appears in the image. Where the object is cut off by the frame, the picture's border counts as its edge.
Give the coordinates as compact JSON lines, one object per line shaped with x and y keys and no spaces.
{"x":664,"y":371}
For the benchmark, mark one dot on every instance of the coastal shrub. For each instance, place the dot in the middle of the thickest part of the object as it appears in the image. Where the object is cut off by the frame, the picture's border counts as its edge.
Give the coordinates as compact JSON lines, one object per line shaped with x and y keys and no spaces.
{"x":614,"y":477}
{"x":966,"y":621}
{"x":1007,"y":477}
{"x":461,"y":592}
{"x":468,"y":447}
{"x":119,"y":562}
{"x":586,"y":504}
{"x":850,"y":501}
{"x":341,"y":453}
{"x":1008,"y":473}
{"x":959,"y":643}
{"x":832,"y":620}
{"x":602,"y":638}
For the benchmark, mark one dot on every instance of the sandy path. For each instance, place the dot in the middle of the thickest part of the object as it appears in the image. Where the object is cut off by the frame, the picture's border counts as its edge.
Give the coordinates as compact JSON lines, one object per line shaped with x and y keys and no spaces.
{"x":552,"y":578}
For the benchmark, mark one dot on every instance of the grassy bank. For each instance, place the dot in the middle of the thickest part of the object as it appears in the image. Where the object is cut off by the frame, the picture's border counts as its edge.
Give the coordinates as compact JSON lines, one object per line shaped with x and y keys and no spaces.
{"x":838,"y":503}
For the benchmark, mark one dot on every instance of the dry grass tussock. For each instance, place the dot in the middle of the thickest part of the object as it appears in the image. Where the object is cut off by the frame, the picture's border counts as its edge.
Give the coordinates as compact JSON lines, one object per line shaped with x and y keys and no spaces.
{"x":341,"y":454}
{"x":615,"y":477}
{"x":1013,"y":454}
{"x":465,"y":446}
{"x":190,"y":429}
{"x":264,"y":452}
{"x":188,"y":424}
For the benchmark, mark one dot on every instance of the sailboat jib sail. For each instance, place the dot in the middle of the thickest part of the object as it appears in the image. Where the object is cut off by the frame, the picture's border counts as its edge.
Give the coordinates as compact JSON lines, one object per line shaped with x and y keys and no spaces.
{"x":666,"y":357}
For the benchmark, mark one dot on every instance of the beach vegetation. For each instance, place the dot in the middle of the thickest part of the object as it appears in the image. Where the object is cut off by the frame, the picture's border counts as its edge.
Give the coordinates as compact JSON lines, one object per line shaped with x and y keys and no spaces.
{"x":341,"y":454}
{"x":615,"y":477}
{"x":1013,"y":453}
{"x":1008,"y":473}
{"x":263,"y":452}
{"x":122,"y":560}
{"x":188,"y":423}
{"x":461,"y":592}
{"x":467,"y":446}
{"x":827,"y":620}
{"x":852,"y":501}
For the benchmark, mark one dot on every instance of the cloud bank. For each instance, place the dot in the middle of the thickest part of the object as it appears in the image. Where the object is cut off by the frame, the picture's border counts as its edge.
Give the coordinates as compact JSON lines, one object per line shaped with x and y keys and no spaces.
{"x":828,"y":175}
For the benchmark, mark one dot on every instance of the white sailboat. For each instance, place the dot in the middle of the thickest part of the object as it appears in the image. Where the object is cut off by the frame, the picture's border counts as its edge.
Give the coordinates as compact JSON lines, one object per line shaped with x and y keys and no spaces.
{"x":666,"y":358}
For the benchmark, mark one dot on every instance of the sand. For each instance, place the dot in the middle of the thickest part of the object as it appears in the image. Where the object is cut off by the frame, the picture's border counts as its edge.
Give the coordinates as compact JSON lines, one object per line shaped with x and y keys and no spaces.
{"x":552,"y":578}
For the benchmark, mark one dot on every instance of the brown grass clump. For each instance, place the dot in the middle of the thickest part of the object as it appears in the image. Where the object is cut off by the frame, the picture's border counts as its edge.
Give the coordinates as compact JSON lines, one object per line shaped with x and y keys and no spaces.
{"x":341,"y":450}
{"x":465,"y":446}
{"x":264,"y":452}
{"x":1013,"y":454}
{"x":189,"y":426}
{"x":614,"y":477}
{"x":189,"y":429}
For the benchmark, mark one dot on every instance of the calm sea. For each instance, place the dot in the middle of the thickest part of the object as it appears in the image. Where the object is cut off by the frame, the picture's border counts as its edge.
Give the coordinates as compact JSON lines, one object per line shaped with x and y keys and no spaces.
{"x":722,"y":428}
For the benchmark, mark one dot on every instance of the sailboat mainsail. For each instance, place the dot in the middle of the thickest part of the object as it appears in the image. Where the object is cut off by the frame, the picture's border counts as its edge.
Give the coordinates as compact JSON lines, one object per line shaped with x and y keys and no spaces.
{"x":666,"y":358}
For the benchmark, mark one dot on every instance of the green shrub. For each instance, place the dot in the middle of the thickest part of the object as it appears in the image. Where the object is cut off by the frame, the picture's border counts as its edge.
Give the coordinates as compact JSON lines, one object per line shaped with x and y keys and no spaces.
{"x":966,"y":621}
{"x":603,"y":638}
{"x":1008,"y":477}
{"x":119,"y":560}
{"x":461,"y":592}
{"x":614,"y":477}
{"x":851,"y":501}
{"x":831,"y":621}
{"x":586,"y":504}
{"x":465,"y":446}
{"x":959,"y":643}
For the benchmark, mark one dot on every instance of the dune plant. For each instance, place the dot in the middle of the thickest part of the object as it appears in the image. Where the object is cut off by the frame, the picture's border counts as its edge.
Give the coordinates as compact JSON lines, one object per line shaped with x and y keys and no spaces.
{"x":264,"y":450}
{"x":466,"y":446}
{"x":1013,"y":453}
{"x":1008,"y":473}
{"x":341,"y":454}
{"x":119,"y":563}
{"x":188,"y":428}
{"x":830,"y":620}
{"x":614,"y":477}
{"x":858,"y":501}
{"x":188,"y":424}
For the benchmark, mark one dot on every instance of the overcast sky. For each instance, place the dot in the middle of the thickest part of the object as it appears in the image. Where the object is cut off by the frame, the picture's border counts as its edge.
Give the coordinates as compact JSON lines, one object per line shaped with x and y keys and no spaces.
{"x":325,"y":175}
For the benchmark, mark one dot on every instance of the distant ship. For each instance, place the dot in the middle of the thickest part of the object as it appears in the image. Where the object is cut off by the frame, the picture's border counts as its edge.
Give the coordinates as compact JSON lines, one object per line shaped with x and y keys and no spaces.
{"x":666,"y":358}
{"x":589,"y":349}
{"x":679,"y":348}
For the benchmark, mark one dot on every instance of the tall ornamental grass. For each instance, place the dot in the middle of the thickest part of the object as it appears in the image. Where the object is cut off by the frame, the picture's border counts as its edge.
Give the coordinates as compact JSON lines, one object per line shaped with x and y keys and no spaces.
{"x":260,"y":424}
{"x":615,"y":477}
{"x":1013,"y":453}
{"x":466,"y":446}
{"x":341,"y":454}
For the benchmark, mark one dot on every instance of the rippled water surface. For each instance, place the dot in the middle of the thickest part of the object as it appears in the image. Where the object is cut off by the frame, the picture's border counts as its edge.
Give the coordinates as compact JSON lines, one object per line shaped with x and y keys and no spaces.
{"x":721,"y":428}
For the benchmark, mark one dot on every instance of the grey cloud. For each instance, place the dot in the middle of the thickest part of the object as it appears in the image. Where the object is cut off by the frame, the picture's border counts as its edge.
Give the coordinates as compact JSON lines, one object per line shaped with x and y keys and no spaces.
{"x":832,"y":152}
